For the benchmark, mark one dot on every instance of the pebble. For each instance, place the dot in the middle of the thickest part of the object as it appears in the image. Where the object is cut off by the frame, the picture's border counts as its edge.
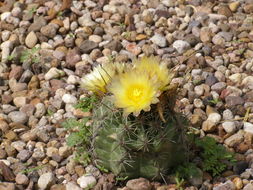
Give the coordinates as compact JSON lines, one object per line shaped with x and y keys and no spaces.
{"x":72,"y":186}
{"x":18,"y":145}
{"x":229,"y":126}
{"x":87,"y":46}
{"x":227,"y":114}
{"x":38,"y":155}
{"x":218,"y":40}
{"x":248,"y":8}
{"x":40,"y":110}
{"x":21,"y":179}
{"x":238,"y":183}
{"x":181,"y":46}
{"x":235,"y":139}
{"x":234,"y":6}
{"x":46,"y":180}
{"x":219,"y":86}
{"x":211,"y":80}
{"x":87,"y":181}
{"x":49,"y":30}
{"x":113,"y":45}
{"x":18,"y":117}
{"x":20,"y":101}
{"x":199,"y":90}
{"x":6,"y":49}
{"x":54,"y":73}
{"x":249,"y":186}
{"x":236,"y":78}
{"x":73,"y":79}
{"x":246,"y":174}
{"x":24,"y":155}
{"x":248,"y":127}
{"x":205,"y":34}
{"x":228,"y":185}
{"x":214,"y":117}
{"x":38,"y":23}
{"x":234,"y":101}
{"x":5,"y":35}
{"x":69,"y":99}
{"x":31,"y":40}
{"x":64,"y":151}
{"x":5,"y":15}
{"x":209,"y":126}
{"x":86,"y":20}
{"x":72,"y":58}
{"x":7,"y":185}
{"x":139,"y":184}
{"x":159,"y":40}
{"x":198,"y":103}
{"x":248,"y":82}
{"x":95,"y":38}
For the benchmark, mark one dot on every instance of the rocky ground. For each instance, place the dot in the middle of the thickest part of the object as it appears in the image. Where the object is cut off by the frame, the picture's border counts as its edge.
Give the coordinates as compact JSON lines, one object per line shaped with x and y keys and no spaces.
{"x":209,"y":43}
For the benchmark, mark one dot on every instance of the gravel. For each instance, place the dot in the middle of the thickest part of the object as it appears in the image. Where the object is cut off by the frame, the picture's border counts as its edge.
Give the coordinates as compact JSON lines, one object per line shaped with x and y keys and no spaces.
{"x":208,"y":43}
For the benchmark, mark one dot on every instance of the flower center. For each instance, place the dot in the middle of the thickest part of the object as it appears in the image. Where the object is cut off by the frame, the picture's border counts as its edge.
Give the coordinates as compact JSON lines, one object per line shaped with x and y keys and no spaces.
{"x":135,"y":94}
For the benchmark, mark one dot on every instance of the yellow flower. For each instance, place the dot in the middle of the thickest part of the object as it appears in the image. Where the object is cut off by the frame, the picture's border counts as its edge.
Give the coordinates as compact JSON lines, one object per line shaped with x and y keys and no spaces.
{"x":97,"y":80}
{"x":134,"y":91}
{"x":152,"y":66}
{"x":101,"y":76}
{"x":121,"y":67}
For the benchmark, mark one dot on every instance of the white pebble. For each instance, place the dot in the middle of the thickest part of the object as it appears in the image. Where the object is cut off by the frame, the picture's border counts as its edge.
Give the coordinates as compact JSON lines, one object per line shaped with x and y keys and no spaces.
{"x":87,"y":181}
{"x":69,"y":99}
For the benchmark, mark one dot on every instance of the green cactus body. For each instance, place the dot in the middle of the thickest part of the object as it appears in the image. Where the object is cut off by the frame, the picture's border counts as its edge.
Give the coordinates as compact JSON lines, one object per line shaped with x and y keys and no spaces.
{"x":137,"y":147}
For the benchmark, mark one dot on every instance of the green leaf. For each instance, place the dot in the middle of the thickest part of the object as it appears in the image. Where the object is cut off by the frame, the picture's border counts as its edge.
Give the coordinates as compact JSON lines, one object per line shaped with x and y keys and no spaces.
{"x":213,"y":155}
{"x":74,"y":139}
{"x":71,"y":123}
{"x":86,"y":104}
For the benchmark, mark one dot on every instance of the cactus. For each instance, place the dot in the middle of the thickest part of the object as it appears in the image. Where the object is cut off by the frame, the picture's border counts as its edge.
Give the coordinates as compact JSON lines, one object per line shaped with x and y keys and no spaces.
{"x":132,"y":147}
{"x":136,"y":132}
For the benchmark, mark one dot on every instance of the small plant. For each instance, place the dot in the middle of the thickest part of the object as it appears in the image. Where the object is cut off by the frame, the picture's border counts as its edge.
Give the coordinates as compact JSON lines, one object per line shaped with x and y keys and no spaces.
{"x":50,"y":112}
{"x":80,"y":133}
{"x":102,"y":168}
{"x":214,"y":101}
{"x":82,"y":156}
{"x":60,"y":14}
{"x":86,"y":104}
{"x":71,"y":35}
{"x":30,"y":170}
{"x":213,"y":155}
{"x":127,"y":35}
{"x":10,"y":57}
{"x":121,"y":25}
{"x":32,"y":10}
{"x":30,"y":55}
{"x":179,"y":182}
{"x":187,"y":171}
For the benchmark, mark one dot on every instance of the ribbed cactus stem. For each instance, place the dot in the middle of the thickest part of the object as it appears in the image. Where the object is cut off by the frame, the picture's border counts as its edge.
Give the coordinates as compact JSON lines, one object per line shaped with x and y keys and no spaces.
{"x":137,"y":147}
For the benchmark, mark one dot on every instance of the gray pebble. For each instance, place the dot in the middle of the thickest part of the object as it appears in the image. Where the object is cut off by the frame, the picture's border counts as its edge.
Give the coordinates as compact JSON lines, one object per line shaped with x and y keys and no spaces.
{"x":18,"y":117}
